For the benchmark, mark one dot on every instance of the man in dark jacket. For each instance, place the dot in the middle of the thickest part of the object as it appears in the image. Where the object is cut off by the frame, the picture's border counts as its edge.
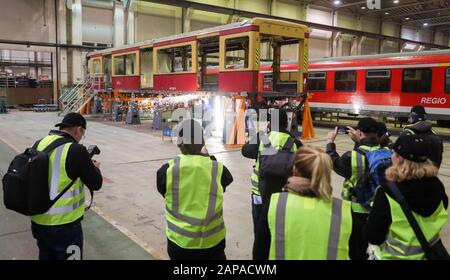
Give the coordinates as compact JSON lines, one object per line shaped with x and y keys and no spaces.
{"x":58,"y":232}
{"x":347,"y":165}
{"x":251,"y":150}
{"x":419,"y":126}
{"x":190,"y":184}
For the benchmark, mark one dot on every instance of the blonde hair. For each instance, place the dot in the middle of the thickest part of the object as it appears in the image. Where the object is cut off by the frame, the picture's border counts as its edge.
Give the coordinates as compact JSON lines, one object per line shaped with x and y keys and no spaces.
{"x":409,"y":170}
{"x":313,"y":164}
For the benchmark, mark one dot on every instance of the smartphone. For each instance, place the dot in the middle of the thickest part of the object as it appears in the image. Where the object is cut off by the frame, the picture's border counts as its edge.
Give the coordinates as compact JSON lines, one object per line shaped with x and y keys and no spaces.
{"x":342,"y":130}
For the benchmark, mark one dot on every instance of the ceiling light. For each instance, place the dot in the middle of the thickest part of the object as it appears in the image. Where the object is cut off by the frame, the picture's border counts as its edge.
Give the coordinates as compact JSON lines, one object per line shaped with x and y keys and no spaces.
{"x":337,"y":2}
{"x":363,"y":7}
{"x":425,"y":24}
{"x":396,"y":1}
{"x":407,"y":18}
{"x":386,"y":13}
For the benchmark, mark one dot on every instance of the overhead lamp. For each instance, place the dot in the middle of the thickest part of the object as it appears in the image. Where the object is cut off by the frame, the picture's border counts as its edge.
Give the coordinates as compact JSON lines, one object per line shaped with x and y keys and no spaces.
{"x":386,"y":13}
{"x":425,"y":24}
{"x":363,"y":7}
{"x":407,"y":18}
{"x":396,"y":1}
{"x":337,"y":2}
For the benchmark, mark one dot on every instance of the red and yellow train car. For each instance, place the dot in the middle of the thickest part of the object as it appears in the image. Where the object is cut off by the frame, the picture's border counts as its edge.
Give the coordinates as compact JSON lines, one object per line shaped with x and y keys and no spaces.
{"x":223,"y":59}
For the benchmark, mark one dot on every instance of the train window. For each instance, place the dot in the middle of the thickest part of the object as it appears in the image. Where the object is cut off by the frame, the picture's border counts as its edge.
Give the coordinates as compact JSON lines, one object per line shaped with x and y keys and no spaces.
{"x":317,"y":81}
{"x":447,"y":80}
{"x":130,"y":62}
{"x":345,"y":81}
{"x":378,"y":80}
{"x":237,"y":53}
{"x":97,"y":66}
{"x":125,"y":64}
{"x":173,"y":60}
{"x":416,"y":80}
{"x":119,"y":65}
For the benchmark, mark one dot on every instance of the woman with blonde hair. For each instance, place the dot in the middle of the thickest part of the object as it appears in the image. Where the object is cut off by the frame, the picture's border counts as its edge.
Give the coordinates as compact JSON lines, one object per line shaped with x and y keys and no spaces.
{"x":304,"y":221}
{"x":415,"y":176}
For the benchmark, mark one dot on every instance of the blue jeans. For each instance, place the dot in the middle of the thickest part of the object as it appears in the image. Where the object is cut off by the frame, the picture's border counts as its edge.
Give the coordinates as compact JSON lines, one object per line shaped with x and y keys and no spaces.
{"x":59,"y":242}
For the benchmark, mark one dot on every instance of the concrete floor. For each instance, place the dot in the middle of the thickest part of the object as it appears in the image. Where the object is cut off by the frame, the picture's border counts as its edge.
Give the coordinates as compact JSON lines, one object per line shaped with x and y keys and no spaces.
{"x":129,"y":200}
{"x":101,"y":239}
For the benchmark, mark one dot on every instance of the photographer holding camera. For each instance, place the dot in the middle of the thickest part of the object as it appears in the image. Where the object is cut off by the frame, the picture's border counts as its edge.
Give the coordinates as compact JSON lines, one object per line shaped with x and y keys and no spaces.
{"x":58,"y":232}
{"x":352,"y":165}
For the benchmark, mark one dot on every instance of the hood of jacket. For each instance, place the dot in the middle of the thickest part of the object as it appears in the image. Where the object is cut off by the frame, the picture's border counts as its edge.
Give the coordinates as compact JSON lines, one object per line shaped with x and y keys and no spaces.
{"x":424,"y":195}
{"x":420,"y":127}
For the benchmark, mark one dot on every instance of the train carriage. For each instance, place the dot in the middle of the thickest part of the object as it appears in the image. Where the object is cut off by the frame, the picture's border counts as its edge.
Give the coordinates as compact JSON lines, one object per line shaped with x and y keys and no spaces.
{"x":223,"y":59}
{"x":386,"y":84}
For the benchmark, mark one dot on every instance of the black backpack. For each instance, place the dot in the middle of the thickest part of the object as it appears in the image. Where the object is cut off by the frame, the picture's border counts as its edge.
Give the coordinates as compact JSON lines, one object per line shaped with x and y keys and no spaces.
{"x":275,"y":166}
{"x":26,"y":184}
{"x":276,"y":163}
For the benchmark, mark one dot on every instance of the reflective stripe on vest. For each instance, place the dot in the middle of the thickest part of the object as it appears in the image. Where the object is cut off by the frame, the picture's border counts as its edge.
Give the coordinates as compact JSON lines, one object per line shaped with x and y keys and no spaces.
{"x":70,"y":206}
{"x":358,"y":164}
{"x":401,"y":242}
{"x":194,"y":232}
{"x":337,"y":236}
{"x":254,"y":180}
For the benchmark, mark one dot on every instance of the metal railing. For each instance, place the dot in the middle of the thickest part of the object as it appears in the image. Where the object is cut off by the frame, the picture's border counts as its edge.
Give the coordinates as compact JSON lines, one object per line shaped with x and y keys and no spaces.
{"x":80,"y":95}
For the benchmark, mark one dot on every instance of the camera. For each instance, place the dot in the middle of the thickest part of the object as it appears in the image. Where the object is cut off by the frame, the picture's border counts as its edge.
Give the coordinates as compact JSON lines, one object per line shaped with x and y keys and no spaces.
{"x":93,"y":150}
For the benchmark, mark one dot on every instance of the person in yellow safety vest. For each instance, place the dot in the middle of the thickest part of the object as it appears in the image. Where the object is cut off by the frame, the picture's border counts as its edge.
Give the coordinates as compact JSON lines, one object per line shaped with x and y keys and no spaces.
{"x":305,"y":222}
{"x":193,"y":184}
{"x":59,"y":232}
{"x":278,"y":136}
{"x":419,"y":126}
{"x":352,"y":166}
{"x":416,"y":178}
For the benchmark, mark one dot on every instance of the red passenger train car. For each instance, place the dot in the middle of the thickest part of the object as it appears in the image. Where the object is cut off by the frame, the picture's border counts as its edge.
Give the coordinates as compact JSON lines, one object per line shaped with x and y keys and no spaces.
{"x":387,"y":84}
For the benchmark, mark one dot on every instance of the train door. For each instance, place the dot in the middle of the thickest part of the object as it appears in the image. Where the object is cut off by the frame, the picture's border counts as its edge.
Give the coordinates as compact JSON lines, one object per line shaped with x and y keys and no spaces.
{"x":208,"y":58}
{"x":107,"y":71}
{"x":146,"y":68}
{"x":276,"y":53}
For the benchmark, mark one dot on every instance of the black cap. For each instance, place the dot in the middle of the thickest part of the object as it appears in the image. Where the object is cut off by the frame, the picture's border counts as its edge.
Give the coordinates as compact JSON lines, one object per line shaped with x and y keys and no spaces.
{"x":381,"y":129}
{"x":417,"y":113}
{"x":189,"y":132}
{"x":71,"y":120}
{"x":412,"y":147}
{"x":367,"y":125}
{"x":418,"y":109}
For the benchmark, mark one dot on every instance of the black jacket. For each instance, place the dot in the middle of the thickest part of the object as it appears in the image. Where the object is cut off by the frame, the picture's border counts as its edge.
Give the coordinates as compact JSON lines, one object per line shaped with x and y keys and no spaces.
{"x":435,"y":143}
{"x":342,"y":165}
{"x":423,"y":196}
{"x":79,"y":164}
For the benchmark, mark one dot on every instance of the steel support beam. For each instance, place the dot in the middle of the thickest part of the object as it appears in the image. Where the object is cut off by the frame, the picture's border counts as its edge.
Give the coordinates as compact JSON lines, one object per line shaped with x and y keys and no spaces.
{"x":47,"y":44}
{"x":232,"y":11}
